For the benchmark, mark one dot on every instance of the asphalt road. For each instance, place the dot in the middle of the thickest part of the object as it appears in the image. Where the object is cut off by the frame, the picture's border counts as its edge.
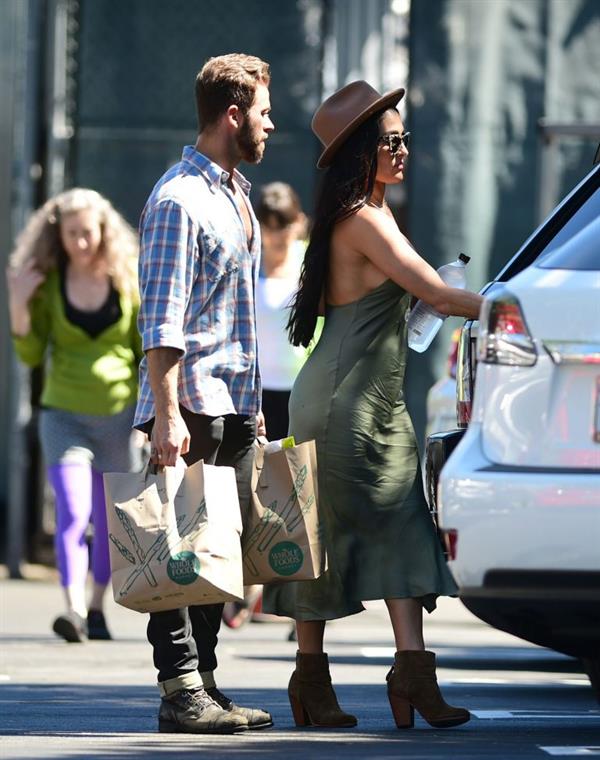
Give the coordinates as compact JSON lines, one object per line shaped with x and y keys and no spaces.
{"x":98,"y":700}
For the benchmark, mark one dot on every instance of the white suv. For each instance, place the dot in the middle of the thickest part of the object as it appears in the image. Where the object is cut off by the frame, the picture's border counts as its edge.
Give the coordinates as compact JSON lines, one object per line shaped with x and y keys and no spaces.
{"x":518,"y":499}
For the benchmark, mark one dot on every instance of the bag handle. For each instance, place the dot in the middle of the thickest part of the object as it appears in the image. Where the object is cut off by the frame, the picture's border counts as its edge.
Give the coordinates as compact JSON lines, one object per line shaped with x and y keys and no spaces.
{"x":261,"y":443}
{"x":152,"y":468}
{"x":259,"y":461}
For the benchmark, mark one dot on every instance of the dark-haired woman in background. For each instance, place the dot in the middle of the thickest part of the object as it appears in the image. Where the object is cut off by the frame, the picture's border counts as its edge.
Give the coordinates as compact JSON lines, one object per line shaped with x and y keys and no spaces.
{"x":360,"y":271}
{"x":282,"y":229}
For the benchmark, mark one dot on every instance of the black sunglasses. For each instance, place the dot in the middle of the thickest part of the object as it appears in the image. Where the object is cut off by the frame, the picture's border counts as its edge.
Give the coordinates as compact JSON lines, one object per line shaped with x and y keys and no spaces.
{"x":394,"y":141}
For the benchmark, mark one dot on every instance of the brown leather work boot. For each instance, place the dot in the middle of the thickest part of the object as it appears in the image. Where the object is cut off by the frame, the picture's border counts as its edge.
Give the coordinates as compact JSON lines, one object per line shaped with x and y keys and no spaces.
{"x":192,"y":711}
{"x":312,"y":697}
{"x":412,"y":684}
{"x":256,"y":718}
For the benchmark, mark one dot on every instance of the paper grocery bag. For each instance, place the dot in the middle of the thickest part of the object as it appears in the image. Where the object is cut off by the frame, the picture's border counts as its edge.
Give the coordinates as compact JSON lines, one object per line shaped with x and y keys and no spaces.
{"x":174,"y":537}
{"x":282,"y":538}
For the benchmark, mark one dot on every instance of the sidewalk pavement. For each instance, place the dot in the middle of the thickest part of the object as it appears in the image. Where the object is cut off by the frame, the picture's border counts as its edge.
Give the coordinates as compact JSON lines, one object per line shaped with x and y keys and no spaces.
{"x":99,"y":699}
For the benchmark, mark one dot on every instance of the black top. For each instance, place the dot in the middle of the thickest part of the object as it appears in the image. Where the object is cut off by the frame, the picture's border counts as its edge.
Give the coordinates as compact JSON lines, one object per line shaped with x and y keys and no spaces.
{"x":92,"y":322}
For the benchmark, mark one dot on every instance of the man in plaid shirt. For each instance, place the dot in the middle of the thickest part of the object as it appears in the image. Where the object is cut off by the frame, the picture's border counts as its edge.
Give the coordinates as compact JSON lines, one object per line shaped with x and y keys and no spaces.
{"x":199,"y":379}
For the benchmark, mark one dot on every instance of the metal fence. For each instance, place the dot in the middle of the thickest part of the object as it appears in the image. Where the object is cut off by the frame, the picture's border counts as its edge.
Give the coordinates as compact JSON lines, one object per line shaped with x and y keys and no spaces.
{"x":135,"y":69}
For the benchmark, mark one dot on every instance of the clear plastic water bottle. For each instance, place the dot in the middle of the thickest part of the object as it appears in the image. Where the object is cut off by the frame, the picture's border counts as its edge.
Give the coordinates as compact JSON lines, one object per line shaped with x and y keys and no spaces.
{"x":424,"y":321}
{"x":272,"y":447}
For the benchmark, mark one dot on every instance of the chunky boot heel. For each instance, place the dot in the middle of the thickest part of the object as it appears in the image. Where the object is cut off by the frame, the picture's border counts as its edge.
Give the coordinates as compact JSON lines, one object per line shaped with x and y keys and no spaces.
{"x":301,"y":718}
{"x":403,"y":711}
{"x":312,"y":697}
{"x":412,"y":685}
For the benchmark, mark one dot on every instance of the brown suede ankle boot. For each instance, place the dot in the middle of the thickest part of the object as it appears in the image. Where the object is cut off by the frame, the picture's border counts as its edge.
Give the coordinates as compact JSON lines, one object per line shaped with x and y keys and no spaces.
{"x":412,"y":683}
{"x":312,"y":697}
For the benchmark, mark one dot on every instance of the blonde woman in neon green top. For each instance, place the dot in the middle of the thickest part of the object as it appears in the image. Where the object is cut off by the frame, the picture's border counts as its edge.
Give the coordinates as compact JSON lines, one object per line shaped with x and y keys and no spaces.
{"x":73,"y":306}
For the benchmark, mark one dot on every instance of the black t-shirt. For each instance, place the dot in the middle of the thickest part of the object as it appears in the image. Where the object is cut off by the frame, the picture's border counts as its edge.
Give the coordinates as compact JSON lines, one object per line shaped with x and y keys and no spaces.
{"x":92,"y":322}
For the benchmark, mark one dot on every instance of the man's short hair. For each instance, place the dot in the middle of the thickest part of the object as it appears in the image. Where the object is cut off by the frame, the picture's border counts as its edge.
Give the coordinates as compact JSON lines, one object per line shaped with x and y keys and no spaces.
{"x":228,"y":80}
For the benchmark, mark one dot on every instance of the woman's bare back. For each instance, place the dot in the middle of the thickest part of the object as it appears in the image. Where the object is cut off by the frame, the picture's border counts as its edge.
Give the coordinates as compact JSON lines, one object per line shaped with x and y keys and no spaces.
{"x":352,"y":274}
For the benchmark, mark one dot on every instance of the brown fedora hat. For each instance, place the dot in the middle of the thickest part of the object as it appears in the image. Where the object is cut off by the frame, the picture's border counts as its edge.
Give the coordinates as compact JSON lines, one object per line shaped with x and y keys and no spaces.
{"x":338,"y":116}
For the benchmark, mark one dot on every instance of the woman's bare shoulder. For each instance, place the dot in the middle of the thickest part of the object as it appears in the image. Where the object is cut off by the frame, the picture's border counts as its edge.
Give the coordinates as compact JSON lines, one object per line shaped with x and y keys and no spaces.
{"x":366,"y":219}
{"x":368,"y":227}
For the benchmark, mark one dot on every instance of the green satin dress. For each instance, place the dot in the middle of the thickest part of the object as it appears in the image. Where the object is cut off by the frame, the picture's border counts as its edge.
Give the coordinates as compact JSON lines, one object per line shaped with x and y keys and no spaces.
{"x":380,"y":539}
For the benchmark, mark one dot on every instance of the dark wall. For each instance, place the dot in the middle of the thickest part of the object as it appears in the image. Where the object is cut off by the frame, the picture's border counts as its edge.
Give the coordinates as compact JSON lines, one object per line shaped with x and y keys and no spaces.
{"x":482,"y":76}
{"x":137,"y":63}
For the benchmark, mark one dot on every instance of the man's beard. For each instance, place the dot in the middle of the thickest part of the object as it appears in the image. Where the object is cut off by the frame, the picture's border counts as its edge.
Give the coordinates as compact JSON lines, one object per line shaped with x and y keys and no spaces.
{"x":251,"y":149}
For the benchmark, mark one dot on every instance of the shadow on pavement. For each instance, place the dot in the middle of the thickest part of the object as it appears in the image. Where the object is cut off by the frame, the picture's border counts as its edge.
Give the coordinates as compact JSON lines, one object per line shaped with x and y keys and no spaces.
{"x":120,"y":722}
{"x":491,"y":658}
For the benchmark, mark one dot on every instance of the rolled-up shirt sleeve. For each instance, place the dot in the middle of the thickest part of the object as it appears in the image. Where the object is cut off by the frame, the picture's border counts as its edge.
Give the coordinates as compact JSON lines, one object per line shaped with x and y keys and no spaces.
{"x":168,"y":251}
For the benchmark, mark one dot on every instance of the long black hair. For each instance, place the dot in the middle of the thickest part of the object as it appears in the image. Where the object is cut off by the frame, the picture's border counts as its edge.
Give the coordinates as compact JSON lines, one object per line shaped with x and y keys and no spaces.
{"x":345,"y":188}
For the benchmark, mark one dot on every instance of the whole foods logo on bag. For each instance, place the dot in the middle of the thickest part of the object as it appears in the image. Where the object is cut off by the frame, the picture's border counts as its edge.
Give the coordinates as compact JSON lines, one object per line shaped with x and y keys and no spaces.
{"x":286,"y":558}
{"x":145,"y":559}
{"x":183,"y":568}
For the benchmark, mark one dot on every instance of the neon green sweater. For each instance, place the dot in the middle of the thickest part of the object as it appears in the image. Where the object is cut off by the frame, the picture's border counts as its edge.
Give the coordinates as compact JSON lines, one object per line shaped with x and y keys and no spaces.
{"x":84,"y":374}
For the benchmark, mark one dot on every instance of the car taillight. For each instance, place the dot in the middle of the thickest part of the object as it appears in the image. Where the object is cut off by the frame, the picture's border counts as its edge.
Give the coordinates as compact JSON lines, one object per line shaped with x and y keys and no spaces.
{"x":503,"y":334}
{"x":463,"y":413}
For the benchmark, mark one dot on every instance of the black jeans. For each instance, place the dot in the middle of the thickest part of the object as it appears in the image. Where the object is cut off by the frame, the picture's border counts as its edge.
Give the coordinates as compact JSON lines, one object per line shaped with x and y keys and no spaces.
{"x":185,"y":640}
{"x":275,"y":409}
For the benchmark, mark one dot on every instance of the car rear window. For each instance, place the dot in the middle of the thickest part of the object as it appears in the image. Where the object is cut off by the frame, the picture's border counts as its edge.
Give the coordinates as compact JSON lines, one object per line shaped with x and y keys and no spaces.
{"x":581,"y":252}
{"x":580,"y":208}
{"x":577,"y":245}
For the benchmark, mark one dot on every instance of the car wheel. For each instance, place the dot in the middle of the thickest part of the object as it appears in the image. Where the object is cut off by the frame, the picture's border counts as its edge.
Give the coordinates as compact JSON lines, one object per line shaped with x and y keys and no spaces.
{"x":591,"y":666}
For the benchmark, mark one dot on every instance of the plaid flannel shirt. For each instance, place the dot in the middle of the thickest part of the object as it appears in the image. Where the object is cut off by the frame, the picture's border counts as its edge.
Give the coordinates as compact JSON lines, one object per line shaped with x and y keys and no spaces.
{"x":197,"y":278}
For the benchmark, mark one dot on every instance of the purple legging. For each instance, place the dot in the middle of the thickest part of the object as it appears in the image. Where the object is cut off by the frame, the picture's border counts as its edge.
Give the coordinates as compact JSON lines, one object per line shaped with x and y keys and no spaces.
{"x":79,"y":496}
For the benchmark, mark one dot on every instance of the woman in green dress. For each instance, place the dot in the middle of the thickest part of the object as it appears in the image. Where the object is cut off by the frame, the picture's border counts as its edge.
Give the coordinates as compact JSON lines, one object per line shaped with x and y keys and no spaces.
{"x":361,"y":272}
